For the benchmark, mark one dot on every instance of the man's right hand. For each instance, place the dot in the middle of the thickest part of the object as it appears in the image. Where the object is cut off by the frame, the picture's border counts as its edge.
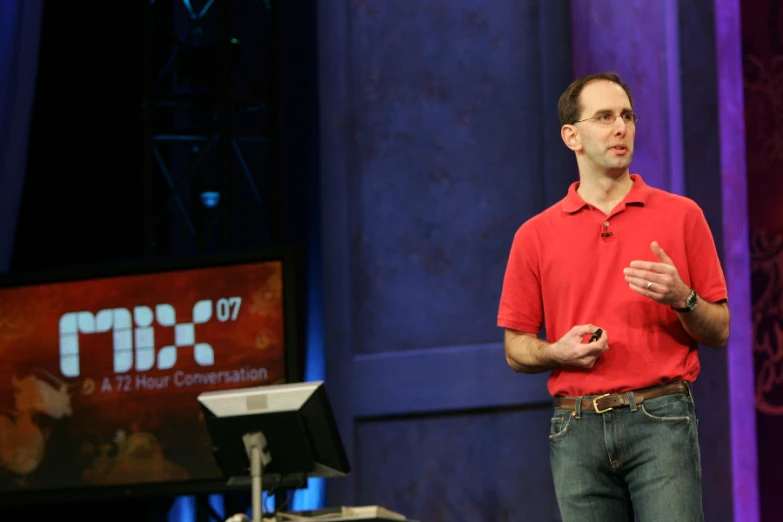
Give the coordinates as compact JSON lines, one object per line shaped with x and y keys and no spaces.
{"x":571,"y":350}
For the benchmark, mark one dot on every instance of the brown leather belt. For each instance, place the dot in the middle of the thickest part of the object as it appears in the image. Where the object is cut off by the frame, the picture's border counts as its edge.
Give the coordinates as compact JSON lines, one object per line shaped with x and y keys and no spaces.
{"x":610,"y":401}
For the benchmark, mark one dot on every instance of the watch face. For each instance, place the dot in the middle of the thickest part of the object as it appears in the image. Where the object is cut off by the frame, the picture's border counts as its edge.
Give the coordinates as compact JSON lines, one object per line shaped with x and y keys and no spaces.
{"x":690,"y":302}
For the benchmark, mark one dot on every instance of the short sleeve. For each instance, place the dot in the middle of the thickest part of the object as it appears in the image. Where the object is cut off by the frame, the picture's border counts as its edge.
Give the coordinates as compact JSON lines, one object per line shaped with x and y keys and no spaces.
{"x":521,"y":305}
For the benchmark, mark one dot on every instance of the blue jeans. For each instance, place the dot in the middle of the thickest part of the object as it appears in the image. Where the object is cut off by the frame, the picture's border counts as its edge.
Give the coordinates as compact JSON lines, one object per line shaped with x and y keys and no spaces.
{"x":641,"y":460}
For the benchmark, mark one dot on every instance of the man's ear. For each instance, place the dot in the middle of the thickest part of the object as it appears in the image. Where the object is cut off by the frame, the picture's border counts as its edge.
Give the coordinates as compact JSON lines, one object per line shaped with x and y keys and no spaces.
{"x":570,"y":136}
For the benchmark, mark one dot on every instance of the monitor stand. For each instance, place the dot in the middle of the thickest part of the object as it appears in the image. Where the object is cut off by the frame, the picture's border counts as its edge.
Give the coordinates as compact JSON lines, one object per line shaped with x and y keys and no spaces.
{"x":256,"y":447}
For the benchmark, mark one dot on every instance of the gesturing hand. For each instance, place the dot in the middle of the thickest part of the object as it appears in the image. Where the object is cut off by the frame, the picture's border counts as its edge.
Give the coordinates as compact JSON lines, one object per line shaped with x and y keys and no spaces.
{"x":659,"y":281}
{"x":570,"y":350}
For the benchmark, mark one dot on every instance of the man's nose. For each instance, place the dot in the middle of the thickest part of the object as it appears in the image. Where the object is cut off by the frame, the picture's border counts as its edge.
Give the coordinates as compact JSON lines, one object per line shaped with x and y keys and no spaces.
{"x":620,"y":127}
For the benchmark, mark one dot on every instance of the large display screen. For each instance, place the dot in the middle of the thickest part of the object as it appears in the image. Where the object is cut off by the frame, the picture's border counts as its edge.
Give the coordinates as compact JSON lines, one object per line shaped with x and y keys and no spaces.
{"x":99,"y":376}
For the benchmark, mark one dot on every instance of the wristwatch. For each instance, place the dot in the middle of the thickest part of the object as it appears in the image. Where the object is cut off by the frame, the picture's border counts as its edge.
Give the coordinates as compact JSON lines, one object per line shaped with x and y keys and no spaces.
{"x":690,"y":303}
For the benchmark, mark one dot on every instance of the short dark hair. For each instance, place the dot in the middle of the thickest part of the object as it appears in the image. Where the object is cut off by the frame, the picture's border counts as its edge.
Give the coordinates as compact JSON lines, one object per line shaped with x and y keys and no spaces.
{"x":569,"y":107}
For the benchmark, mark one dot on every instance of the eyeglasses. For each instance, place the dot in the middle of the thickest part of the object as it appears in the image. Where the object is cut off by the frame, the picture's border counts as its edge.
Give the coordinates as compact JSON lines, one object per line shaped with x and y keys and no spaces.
{"x":608,"y":118}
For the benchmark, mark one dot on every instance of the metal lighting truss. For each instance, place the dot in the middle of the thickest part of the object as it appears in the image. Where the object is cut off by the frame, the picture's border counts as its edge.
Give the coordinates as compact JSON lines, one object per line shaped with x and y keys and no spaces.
{"x":206,"y":124}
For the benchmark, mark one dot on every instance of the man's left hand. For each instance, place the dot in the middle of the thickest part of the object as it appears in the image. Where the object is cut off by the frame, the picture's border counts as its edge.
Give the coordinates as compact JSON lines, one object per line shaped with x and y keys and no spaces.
{"x":659,"y":281}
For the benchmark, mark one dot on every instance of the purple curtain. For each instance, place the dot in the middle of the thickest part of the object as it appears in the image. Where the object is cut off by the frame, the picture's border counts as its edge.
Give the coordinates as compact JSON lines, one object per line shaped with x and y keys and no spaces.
{"x":20,"y":23}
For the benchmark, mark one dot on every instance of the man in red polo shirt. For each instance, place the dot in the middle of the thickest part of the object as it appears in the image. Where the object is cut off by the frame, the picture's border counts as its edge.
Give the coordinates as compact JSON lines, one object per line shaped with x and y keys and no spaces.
{"x":627,"y":281}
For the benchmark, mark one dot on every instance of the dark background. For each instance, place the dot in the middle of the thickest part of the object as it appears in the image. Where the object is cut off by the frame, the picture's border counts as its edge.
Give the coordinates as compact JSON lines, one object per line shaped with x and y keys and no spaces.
{"x":85,"y":195}
{"x":85,"y":150}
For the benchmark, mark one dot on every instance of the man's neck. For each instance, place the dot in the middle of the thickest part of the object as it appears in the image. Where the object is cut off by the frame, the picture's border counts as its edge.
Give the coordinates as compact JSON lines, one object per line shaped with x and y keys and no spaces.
{"x":604,"y":192}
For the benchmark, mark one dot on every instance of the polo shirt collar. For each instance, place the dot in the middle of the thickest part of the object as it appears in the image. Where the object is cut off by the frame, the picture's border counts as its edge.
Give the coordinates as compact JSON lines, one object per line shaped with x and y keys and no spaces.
{"x":639,"y":194}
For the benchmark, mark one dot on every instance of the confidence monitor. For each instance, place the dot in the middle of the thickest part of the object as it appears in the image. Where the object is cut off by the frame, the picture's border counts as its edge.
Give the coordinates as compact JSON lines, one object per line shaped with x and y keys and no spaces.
{"x":276,"y":435}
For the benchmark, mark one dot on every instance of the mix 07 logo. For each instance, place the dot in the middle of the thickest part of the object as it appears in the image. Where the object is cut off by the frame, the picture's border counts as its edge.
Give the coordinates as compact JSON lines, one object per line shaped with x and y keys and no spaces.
{"x":134,"y":334}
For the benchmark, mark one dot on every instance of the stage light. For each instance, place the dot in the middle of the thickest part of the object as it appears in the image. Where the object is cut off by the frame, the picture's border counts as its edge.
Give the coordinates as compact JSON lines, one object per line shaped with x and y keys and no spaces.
{"x":210,"y":198}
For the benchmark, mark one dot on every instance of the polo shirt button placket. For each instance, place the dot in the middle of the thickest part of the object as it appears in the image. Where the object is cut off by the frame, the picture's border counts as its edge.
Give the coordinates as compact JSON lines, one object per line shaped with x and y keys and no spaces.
{"x":605,"y":234}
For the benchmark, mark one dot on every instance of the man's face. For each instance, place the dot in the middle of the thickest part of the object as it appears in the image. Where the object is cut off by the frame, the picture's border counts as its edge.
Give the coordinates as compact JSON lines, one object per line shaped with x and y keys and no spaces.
{"x":605,"y":147}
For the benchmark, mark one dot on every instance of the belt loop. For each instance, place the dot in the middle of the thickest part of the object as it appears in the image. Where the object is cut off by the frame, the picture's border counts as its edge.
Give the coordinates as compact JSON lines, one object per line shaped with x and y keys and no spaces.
{"x":631,"y":400}
{"x":578,"y":408}
{"x":690,"y":392}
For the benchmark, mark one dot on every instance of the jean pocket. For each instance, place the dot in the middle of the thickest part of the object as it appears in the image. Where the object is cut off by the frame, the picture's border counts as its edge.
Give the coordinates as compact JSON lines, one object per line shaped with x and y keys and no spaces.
{"x":560,"y":424}
{"x":669,"y":408}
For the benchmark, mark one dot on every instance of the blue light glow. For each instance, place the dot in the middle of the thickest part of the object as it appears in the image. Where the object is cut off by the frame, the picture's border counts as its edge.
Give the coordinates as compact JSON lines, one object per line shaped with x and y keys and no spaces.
{"x":217,"y":503}
{"x":183,"y":509}
{"x":210,"y":198}
{"x":314,"y":496}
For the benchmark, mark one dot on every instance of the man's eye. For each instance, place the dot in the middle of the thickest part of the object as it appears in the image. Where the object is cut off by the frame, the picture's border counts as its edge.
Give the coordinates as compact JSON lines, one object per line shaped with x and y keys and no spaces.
{"x":603,"y":118}
{"x":627,"y":117}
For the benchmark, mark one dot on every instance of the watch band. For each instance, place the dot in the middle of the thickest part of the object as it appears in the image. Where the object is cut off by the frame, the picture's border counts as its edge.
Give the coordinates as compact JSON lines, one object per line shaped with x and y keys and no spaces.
{"x":690,"y":303}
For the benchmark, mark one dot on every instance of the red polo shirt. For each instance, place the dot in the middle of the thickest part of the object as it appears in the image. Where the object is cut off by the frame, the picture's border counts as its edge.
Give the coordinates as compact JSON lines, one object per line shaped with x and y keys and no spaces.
{"x":566,"y":268}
